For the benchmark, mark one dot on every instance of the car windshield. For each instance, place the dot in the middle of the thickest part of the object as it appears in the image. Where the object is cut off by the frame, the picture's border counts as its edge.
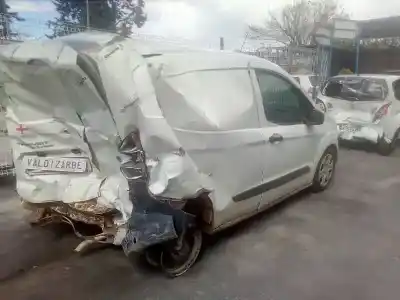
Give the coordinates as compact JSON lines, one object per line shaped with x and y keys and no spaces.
{"x":356,"y":89}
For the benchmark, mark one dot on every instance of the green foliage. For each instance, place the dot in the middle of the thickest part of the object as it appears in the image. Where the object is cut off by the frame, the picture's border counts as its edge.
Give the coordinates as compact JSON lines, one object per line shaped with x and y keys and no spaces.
{"x":109,"y":15}
{"x":345,"y":71}
{"x":7,"y":18}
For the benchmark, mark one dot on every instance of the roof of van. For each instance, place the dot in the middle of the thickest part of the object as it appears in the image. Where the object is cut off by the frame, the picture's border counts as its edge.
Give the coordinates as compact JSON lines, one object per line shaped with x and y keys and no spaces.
{"x":199,"y":58}
{"x":179,"y":58}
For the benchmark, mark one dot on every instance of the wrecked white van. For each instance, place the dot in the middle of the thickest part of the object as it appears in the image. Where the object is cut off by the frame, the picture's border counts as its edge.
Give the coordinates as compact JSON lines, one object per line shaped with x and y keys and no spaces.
{"x":158,"y":144}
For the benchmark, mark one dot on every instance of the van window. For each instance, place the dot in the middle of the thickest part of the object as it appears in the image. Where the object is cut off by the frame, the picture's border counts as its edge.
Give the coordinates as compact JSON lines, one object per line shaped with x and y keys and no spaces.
{"x":283,"y":103}
{"x":209,"y":100}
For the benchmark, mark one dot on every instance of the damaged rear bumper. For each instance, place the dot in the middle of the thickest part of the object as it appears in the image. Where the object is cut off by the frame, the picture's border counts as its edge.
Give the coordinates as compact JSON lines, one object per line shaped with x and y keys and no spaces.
{"x":360,"y":132}
{"x":121,"y":95}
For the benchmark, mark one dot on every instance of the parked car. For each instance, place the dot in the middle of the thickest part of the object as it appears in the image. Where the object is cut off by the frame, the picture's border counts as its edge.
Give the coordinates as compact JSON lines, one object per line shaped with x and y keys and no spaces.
{"x":365,"y":107}
{"x":6,"y":159}
{"x":307,"y":83}
{"x":157,"y":145}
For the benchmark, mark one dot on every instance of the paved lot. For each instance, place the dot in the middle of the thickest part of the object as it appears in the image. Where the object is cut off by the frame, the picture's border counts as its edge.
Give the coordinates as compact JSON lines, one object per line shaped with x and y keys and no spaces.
{"x":343,"y":244}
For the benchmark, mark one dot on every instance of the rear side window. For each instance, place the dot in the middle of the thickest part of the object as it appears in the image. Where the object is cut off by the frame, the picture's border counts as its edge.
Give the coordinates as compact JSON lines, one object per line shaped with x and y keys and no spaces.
{"x":209,"y":100}
{"x":283,"y":103}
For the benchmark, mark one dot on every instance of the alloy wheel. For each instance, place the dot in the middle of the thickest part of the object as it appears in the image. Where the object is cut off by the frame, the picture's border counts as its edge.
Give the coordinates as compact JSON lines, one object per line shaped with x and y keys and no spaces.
{"x":325,"y":171}
{"x":321,"y":106}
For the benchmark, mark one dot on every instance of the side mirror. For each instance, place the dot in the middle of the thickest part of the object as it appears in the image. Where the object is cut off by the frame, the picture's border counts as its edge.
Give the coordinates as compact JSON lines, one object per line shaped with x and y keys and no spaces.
{"x":316,"y":117}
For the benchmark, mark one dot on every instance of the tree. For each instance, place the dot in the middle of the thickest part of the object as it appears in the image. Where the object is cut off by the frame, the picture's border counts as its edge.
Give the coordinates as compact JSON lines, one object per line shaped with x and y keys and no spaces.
{"x":297,"y":21}
{"x":6,"y":19}
{"x":110,"y":15}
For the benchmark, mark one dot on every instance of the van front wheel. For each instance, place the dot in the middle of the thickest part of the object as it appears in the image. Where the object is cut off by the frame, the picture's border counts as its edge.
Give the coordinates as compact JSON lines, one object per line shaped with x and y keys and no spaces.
{"x":325,"y":170}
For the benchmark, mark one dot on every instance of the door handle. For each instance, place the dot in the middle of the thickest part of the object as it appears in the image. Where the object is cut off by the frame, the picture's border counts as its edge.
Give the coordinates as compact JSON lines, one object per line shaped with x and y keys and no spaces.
{"x":275,"y":138}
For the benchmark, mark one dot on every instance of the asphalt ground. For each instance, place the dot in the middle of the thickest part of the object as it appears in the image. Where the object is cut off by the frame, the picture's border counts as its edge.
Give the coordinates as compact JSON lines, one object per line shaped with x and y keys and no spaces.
{"x":341,"y":244}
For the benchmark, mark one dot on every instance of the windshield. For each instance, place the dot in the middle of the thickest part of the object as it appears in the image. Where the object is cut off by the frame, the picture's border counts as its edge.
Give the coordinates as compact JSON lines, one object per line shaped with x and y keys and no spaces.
{"x":356,"y":89}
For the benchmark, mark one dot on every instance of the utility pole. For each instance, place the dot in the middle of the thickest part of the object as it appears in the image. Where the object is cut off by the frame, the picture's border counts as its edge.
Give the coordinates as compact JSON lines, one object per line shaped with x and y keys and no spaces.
{"x":221,"y":43}
{"x":87,"y":15}
{"x":244,"y":41}
{"x":114,"y":15}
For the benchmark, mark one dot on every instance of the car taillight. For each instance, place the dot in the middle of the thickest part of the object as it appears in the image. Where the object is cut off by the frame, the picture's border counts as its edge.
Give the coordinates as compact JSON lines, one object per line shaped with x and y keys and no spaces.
{"x":381,"y":112}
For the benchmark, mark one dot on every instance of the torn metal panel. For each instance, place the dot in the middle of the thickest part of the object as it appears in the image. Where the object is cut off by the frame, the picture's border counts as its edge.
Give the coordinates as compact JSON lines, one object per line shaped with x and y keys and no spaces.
{"x":71,"y":101}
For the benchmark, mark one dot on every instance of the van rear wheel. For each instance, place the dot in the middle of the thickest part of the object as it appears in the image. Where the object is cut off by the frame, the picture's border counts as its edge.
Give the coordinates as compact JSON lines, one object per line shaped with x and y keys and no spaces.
{"x":176,"y":260}
{"x":325,"y":170}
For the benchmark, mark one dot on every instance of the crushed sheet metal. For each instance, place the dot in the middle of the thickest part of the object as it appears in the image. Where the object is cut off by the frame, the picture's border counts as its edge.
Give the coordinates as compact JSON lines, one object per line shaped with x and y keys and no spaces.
{"x":80,"y":96}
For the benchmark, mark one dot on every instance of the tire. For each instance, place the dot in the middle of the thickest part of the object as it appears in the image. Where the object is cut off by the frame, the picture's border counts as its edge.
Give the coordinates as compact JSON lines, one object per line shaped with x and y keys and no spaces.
{"x":384,"y":148}
{"x":195,"y":240}
{"x":152,"y":256}
{"x":325,"y":170}
{"x":321,"y":105}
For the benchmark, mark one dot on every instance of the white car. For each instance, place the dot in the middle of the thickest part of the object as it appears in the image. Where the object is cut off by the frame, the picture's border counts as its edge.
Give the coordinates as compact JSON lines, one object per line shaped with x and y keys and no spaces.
{"x":6,"y":159}
{"x":365,"y":108}
{"x":157,"y":145}
{"x":307,"y":83}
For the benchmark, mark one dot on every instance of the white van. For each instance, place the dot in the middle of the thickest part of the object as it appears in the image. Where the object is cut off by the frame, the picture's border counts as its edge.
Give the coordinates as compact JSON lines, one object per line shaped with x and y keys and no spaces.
{"x":158,"y":144}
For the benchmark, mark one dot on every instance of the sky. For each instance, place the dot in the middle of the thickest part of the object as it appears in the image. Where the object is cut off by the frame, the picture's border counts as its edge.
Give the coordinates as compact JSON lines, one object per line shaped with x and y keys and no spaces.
{"x":200,"y":21}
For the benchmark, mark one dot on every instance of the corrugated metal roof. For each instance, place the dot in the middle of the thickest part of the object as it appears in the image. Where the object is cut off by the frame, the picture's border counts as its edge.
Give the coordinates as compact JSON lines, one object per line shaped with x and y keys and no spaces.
{"x":380,"y":28}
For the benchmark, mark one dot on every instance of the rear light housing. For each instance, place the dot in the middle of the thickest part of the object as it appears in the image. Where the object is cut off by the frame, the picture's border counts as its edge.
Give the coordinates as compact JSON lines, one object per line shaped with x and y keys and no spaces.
{"x":381,"y":112}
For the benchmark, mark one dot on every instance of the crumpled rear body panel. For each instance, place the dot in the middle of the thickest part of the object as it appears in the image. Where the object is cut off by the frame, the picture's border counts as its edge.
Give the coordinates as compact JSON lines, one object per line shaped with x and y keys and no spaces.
{"x":79,"y":97}
{"x":186,"y":121}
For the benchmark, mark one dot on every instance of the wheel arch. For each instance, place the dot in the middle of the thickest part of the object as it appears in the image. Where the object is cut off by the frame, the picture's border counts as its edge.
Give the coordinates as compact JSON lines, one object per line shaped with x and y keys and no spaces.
{"x":202,"y":207}
{"x":322,"y":149}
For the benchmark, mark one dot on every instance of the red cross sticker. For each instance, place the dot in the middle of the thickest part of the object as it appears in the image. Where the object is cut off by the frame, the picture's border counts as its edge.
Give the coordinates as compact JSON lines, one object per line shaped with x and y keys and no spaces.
{"x":21,"y":128}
